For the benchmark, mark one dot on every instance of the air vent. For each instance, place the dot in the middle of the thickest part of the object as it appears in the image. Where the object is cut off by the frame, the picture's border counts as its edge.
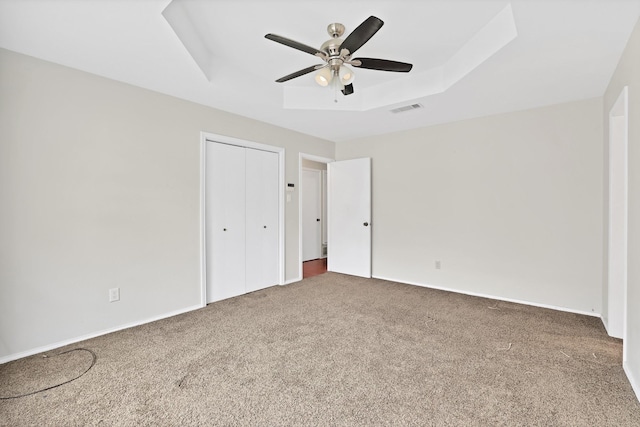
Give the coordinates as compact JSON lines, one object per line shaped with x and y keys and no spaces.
{"x":407,"y":108}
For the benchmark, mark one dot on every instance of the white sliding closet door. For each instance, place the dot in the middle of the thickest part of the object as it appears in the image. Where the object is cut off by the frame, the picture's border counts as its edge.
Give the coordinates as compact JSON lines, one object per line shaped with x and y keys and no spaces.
{"x":242,"y":220}
{"x":261,"y":219}
{"x":225,"y":210}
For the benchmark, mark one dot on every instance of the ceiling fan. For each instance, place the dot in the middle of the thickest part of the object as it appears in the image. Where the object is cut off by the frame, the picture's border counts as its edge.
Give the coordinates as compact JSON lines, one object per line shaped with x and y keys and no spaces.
{"x":336,"y":53}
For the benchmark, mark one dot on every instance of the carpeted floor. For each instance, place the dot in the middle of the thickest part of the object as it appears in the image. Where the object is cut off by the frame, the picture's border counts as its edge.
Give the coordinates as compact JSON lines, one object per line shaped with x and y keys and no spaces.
{"x":335,"y":350}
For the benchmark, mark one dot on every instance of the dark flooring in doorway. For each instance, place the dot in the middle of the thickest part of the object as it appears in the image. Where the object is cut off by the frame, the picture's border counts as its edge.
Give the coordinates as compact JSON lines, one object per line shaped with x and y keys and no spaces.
{"x":314,"y":267}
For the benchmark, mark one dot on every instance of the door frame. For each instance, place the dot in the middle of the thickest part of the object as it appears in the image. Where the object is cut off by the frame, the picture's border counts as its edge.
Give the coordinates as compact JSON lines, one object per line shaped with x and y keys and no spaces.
{"x":206,"y":137}
{"x":619,"y":112}
{"x":313,"y":158}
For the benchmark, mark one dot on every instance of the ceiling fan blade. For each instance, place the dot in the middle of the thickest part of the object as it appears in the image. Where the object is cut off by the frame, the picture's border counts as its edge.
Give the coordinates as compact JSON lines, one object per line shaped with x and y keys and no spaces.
{"x":294,"y":44}
{"x":297,"y":74}
{"x":382,"y":64}
{"x":362,"y":34}
{"x":348,"y":89}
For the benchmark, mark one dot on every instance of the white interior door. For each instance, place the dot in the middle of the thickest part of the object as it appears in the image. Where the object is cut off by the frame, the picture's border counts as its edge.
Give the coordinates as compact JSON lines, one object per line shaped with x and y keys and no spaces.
{"x":225,"y":216}
{"x":311,"y":214}
{"x":262,"y":219}
{"x":349,"y":214}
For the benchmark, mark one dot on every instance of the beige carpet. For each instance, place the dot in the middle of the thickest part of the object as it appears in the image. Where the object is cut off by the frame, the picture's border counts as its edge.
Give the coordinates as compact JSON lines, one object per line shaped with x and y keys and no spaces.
{"x":335,"y":350}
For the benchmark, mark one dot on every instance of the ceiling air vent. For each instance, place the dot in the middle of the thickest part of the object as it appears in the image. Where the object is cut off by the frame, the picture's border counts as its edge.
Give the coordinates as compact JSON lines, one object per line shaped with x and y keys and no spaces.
{"x":407,"y":108}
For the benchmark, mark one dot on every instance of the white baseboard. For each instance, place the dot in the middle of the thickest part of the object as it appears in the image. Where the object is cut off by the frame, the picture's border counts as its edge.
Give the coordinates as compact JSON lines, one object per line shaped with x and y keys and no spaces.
{"x":59,"y":344}
{"x":606,"y":328}
{"x":495,"y":297}
{"x":288,"y":282}
{"x":605,"y":323}
{"x":635,"y":385}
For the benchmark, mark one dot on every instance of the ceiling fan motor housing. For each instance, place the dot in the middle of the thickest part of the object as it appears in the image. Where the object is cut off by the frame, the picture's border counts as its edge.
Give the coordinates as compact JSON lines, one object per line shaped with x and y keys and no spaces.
{"x":332,"y":47}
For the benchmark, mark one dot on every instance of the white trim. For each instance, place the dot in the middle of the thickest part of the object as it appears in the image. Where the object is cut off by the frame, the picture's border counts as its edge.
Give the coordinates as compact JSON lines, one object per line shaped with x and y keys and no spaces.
{"x":605,"y":323}
{"x":313,"y":158}
{"x":297,"y":279}
{"x":203,"y":218}
{"x":212,"y":137}
{"x":619,"y":109}
{"x":282,"y":159}
{"x":59,"y":344}
{"x":635,"y":385}
{"x":494,"y":297}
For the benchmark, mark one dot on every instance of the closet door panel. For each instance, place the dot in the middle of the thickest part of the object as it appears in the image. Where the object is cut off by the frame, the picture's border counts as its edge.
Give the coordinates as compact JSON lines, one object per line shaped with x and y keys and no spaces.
{"x":261,"y":219}
{"x":225,"y":211}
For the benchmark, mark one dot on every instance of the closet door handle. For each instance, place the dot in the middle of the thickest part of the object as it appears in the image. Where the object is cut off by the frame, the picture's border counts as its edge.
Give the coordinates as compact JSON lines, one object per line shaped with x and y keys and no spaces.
{"x":265,"y":226}
{"x":318,"y":219}
{"x":366,"y":224}
{"x":224,"y":229}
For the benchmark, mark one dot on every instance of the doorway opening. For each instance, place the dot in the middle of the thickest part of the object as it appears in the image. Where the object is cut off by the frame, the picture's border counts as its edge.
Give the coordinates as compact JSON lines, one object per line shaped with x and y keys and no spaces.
{"x":314,"y":267}
{"x":314,"y":250}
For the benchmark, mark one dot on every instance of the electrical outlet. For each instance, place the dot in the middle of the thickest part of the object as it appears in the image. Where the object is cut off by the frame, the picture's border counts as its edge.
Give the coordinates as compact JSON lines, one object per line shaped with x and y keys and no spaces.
{"x":438,"y":265}
{"x":114,"y":294}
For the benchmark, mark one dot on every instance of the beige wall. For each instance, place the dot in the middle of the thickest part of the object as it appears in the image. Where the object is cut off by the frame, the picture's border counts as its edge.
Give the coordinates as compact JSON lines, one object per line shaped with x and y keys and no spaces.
{"x":99,"y":188}
{"x":628,"y":74}
{"x":511,"y":205}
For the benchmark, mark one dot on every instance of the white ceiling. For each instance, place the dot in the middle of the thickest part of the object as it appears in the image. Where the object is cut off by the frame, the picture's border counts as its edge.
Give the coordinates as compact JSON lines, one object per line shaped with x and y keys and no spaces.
{"x":557,"y":51}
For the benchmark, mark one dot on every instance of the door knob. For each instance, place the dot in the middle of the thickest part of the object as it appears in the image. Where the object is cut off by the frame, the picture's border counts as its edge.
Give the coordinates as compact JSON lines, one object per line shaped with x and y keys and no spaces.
{"x":318,"y":219}
{"x":366,"y":224}
{"x":265,"y":226}
{"x":224,"y":229}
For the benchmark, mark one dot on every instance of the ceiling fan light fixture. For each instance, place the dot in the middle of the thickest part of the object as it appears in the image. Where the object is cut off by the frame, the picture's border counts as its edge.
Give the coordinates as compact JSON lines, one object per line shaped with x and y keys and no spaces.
{"x":346,"y":75}
{"x":324,"y":76}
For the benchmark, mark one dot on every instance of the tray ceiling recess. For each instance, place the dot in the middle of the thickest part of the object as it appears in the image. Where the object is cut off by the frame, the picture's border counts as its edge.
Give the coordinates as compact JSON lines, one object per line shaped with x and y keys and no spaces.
{"x":494,"y":35}
{"x":471,"y":58}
